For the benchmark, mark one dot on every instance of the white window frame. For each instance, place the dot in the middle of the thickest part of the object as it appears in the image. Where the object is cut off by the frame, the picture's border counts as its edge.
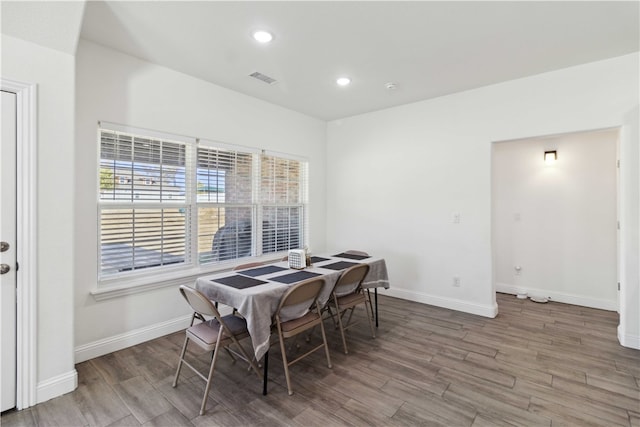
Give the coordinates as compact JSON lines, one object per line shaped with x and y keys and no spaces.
{"x":135,"y":281}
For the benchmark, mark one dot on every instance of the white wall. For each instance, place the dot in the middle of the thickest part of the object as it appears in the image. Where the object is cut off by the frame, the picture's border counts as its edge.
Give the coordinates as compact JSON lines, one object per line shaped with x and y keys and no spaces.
{"x":396,"y":176}
{"x":117,"y":88}
{"x":53,"y":72}
{"x":629,"y":329}
{"x":557,"y":222}
{"x":373,"y":172}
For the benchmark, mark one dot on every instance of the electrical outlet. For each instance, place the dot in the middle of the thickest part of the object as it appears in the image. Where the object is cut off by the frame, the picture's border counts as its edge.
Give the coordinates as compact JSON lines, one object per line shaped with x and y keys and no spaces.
{"x":455,"y":217}
{"x":456,"y":281}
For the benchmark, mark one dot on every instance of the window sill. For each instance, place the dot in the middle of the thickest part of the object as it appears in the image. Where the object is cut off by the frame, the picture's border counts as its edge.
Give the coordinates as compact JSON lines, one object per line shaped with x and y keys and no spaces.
{"x":117,"y":288}
{"x":108,"y":292}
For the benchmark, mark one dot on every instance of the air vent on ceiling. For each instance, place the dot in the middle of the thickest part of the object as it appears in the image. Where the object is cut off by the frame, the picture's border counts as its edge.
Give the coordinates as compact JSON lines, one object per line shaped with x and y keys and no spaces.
{"x":263,"y":77}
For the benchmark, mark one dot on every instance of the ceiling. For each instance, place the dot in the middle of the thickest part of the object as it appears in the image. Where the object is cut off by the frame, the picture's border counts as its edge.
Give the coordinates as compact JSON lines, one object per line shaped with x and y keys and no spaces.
{"x":54,"y":24}
{"x":428,"y":49}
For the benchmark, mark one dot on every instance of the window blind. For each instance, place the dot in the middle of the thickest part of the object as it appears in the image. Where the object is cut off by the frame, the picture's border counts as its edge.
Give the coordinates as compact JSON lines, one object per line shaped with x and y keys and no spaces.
{"x":144,"y":215}
{"x":283,"y":200}
{"x":225,"y":208}
{"x":181,"y":203}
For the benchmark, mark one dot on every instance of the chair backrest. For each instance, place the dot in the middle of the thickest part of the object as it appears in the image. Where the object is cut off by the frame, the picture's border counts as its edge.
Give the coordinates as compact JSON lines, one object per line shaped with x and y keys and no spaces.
{"x":247,"y":265}
{"x":354,"y":252}
{"x":351,"y":279}
{"x":198,"y":302}
{"x":297,"y":301}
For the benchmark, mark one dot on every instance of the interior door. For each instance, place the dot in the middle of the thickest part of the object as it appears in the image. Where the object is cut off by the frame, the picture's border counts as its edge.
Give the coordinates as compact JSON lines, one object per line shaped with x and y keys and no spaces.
{"x":8,"y":251}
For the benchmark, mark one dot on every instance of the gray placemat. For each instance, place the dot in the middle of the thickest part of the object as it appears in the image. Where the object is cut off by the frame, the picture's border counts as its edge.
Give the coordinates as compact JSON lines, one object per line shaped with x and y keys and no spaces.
{"x":261,"y":271}
{"x":239,"y":282}
{"x":298,"y":276}
{"x":352,"y":256}
{"x":340,"y":265}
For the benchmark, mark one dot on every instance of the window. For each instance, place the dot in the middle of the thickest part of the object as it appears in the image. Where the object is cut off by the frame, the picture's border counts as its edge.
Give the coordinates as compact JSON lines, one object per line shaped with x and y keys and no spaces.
{"x":169,"y":202}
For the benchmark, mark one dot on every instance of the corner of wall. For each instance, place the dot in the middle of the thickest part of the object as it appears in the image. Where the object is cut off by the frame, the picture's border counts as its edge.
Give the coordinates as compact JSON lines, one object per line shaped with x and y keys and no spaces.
{"x":562,"y":297}
{"x":56,"y":386}
{"x":626,"y":340}
{"x":485,"y":310}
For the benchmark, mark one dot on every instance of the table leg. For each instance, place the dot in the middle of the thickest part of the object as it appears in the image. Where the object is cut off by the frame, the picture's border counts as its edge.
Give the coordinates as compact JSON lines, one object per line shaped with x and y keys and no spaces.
{"x":266,"y":369}
{"x":375,"y":295}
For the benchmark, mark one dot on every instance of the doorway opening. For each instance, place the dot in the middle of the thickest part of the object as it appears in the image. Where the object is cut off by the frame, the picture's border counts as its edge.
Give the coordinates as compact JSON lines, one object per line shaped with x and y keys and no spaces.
{"x":555,"y":216}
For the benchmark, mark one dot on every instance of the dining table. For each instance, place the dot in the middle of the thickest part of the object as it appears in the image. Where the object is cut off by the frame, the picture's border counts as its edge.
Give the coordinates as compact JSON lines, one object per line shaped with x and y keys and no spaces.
{"x":256,"y":292}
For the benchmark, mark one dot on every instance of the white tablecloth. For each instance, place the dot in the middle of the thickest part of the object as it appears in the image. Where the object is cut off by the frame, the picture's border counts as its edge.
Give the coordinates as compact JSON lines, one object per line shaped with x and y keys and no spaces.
{"x":258,"y":304}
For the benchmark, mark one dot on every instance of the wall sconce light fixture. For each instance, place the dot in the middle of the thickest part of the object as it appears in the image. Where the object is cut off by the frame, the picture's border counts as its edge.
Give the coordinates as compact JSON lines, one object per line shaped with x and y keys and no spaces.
{"x":550,"y":157}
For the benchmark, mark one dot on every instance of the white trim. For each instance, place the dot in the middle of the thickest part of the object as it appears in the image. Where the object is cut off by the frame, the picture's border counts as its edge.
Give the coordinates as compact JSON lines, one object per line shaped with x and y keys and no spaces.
{"x":130,"y":130}
{"x":26,"y":204}
{"x":219,"y":145}
{"x":57,"y":386}
{"x":131,"y":287}
{"x":626,"y":340}
{"x":450,"y":303}
{"x":143,"y":282}
{"x":127,"y":339}
{"x":559,"y":297}
{"x":296,"y":157}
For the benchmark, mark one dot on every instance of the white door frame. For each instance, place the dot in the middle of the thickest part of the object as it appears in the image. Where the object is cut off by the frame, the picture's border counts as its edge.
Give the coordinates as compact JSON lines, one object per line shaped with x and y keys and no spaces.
{"x":26,"y":198}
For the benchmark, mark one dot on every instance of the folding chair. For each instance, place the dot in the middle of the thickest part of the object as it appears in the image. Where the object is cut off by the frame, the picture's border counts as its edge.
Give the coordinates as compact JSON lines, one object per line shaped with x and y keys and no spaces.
{"x":347,"y":294}
{"x":375,"y":290}
{"x":247,"y":265}
{"x":297,"y":312}
{"x":212,"y":335}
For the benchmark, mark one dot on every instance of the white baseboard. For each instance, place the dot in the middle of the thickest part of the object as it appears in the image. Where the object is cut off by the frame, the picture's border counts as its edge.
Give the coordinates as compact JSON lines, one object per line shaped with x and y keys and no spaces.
{"x":450,"y":303}
{"x":626,"y":340}
{"x":127,"y":339}
{"x":558,"y":297}
{"x":56,"y":386}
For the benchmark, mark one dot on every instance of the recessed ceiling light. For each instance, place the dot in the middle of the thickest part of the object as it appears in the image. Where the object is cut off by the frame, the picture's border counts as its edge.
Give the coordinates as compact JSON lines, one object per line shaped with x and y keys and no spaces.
{"x":343,"y":81}
{"x":263,"y":36}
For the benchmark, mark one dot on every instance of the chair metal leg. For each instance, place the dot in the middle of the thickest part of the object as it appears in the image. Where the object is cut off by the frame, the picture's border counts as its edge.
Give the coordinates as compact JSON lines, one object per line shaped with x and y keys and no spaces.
{"x":254,"y":360}
{"x":210,"y":377}
{"x":369,"y":295}
{"x":230,"y":353}
{"x":182,"y":353}
{"x":369,"y":310}
{"x":248,"y":359}
{"x":335,"y":323}
{"x":344,"y":340}
{"x":324,"y":339}
{"x":284,"y":360}
{"x":196,"y":316}
{"x":350,"y":316}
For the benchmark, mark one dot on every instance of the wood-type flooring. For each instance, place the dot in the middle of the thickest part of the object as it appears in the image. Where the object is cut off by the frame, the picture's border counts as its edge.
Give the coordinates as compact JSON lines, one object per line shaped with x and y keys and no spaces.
{"x":533,"y":365}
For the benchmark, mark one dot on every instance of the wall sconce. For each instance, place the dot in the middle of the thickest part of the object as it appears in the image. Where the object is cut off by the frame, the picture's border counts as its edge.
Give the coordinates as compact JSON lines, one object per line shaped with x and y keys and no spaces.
{"x":550,"y":157}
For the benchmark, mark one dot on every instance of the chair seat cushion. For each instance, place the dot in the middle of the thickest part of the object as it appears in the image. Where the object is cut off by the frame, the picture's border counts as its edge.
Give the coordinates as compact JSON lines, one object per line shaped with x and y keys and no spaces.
{"x":307,"y":319}
{"x":207,"y":332}
{"x":351,"y":299}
